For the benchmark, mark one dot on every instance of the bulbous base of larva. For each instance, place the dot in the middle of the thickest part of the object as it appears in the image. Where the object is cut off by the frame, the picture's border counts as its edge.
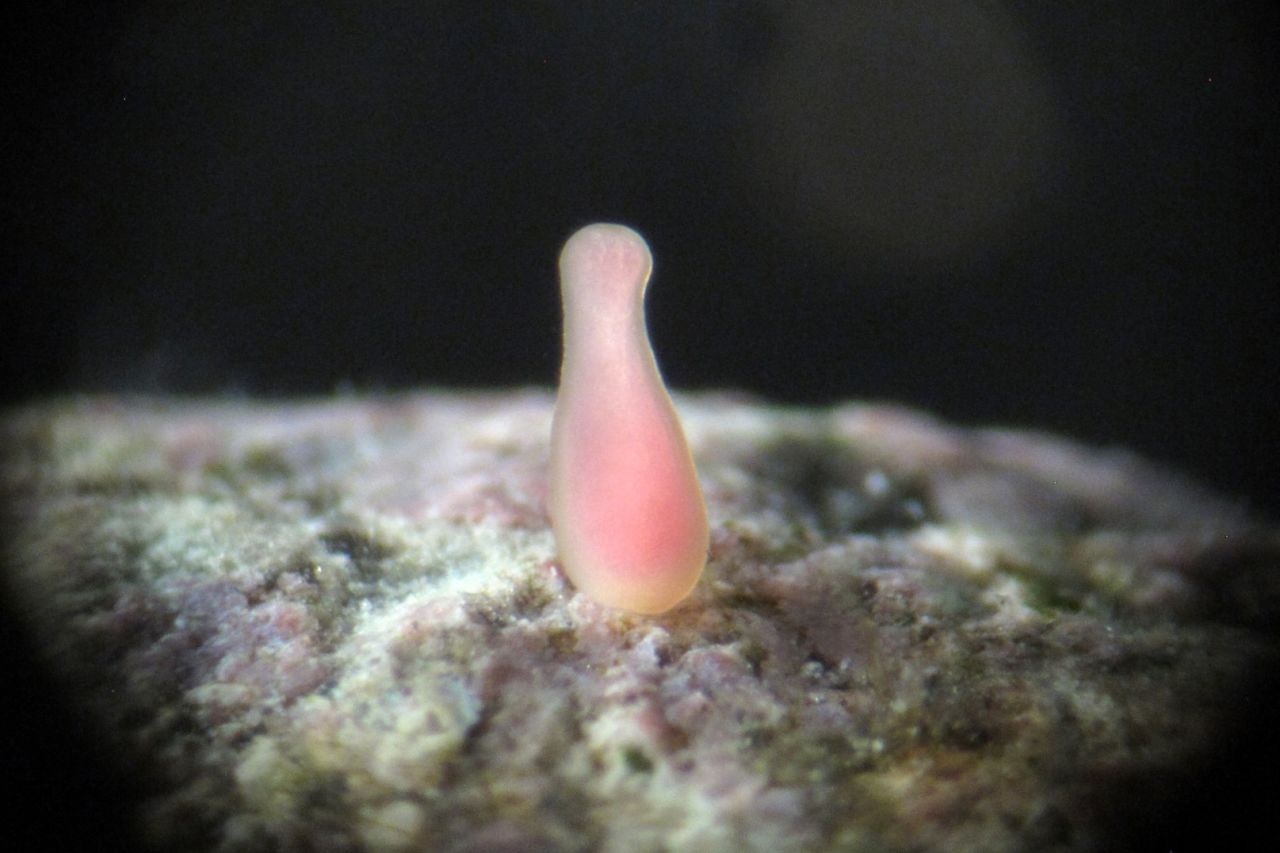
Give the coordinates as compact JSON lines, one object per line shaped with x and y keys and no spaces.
{"x":630,"y":523}
{"x":631,"y":592}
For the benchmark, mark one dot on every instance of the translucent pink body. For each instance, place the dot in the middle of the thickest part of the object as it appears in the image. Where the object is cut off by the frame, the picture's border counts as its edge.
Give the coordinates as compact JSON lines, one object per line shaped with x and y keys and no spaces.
{"x":629,"y":519}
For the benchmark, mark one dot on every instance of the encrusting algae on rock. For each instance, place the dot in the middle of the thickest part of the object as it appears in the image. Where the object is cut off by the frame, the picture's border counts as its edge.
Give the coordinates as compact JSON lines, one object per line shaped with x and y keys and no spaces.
{"x":343,"y":625}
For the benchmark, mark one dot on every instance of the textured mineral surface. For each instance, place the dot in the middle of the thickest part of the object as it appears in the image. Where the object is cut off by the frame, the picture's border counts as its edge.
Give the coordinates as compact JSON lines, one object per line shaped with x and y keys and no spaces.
{"x":339,"y":625}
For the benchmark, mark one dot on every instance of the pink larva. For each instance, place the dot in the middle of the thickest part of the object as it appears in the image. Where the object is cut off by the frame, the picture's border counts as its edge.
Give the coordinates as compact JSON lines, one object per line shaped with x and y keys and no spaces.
{"x":627,"y":511}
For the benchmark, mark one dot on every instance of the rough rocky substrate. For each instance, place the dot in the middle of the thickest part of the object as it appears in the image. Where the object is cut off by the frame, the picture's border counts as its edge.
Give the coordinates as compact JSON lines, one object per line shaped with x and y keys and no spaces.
{"x":339,"y":625}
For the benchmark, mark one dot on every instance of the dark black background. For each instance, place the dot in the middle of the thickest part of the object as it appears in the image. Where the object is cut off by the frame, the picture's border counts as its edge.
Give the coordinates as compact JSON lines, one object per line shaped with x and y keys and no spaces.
{"x":1047,"y":215}
{"x":1050,"y":215}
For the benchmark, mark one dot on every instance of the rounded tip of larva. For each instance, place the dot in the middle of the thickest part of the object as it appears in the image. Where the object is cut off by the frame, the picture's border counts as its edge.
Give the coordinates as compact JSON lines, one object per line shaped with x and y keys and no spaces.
{"x":605,"y":252}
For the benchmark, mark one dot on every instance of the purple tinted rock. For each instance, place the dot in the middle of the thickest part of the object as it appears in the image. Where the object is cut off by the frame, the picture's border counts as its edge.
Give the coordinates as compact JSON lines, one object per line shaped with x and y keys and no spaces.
{"x":340,"y":625}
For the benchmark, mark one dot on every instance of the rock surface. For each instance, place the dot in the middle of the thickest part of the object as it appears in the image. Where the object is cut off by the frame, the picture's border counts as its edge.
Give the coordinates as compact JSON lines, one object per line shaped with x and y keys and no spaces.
{"x":339,"y":625}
